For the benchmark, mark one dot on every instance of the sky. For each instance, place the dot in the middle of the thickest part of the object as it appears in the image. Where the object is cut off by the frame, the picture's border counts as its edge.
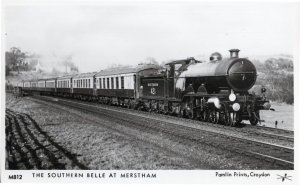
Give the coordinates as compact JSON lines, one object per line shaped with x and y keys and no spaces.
{"x":100,"y":34}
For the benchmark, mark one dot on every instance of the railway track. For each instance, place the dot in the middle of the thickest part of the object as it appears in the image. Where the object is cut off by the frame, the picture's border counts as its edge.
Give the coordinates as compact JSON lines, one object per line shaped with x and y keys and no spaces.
{"x":279,"y":156}
{"x":263,"y":132}
{"x":267,"y":132}
{"x":285,"y":136}
{"x":281,"y":132}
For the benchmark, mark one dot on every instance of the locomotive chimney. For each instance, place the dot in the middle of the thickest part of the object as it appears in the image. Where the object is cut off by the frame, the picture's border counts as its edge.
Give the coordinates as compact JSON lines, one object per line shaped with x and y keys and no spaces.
{"x":234,"y":53}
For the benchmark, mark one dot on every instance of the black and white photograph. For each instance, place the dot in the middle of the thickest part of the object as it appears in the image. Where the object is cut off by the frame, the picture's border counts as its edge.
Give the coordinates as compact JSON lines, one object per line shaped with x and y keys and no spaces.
{"x":120,"y":92}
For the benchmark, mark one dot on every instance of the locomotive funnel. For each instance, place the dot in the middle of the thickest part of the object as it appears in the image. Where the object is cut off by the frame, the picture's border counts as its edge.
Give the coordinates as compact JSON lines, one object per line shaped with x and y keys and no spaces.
{"x":234,"y":53}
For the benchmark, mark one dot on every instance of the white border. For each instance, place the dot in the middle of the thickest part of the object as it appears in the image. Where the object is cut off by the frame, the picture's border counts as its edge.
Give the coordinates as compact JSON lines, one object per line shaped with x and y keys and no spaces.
{"x":163,"y":176}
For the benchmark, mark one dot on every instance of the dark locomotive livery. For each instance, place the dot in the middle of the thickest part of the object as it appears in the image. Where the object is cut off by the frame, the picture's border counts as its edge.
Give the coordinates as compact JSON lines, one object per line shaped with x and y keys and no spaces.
{"x":216,"y":91}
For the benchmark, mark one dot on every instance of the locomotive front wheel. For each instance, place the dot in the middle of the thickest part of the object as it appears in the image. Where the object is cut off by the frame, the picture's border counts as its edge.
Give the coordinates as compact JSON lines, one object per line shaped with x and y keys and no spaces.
{"x":211,"y":116}
{"x":230,"y":119}
{"x":234,"y":119}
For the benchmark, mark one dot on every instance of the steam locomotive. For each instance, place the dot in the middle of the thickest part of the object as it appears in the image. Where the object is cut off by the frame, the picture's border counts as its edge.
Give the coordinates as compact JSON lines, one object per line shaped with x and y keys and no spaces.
{"x":216,"y":91}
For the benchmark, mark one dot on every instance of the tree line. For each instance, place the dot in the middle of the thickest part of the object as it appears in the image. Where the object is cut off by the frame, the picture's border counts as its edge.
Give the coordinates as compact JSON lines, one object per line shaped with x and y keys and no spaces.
{"x":17,"y":60}
{"x":278,"y":77}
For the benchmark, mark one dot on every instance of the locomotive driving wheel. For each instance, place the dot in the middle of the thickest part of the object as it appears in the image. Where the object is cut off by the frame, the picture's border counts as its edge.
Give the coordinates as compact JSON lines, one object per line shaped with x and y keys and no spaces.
{"x":190,"y":114}
{"x":211,"y":116}
{"x":214,"y":116}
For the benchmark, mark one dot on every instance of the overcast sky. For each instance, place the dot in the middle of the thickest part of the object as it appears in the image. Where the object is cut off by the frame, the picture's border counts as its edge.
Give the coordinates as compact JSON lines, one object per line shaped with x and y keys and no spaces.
{"x":97,"y":35}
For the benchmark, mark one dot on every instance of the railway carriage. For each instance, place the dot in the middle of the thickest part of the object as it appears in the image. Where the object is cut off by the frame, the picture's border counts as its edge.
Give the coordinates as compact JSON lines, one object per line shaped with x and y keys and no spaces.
{"x":41,"y":85}
{"x":120,"y":86}
{"x":83,"y":86}
{"x":26,"y":86}
{"x":34,"y":85}
{"x":64,"y":85}
{"x":20,"y":84}
{"x":50,"y":86}
{"x":115,"y":86}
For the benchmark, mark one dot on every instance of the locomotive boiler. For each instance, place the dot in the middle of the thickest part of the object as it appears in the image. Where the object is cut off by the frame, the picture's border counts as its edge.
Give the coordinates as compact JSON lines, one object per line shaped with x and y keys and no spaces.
{"x":238,"y":74}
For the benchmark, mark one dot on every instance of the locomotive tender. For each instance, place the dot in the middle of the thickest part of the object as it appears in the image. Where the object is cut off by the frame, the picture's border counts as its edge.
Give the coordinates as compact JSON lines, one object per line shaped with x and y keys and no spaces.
{"x":216,"y":91}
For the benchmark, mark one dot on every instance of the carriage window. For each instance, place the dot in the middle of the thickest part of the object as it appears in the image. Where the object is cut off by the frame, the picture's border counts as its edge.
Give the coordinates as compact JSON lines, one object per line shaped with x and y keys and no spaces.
{"x":107,"y":83}
{"x":122,"y":82}
{"x":117,"y":82}
{"x":112,"y":82}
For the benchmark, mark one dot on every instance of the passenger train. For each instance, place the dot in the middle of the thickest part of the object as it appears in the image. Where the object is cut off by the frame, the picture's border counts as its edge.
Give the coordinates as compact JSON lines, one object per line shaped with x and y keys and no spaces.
{"x":216,"y":91}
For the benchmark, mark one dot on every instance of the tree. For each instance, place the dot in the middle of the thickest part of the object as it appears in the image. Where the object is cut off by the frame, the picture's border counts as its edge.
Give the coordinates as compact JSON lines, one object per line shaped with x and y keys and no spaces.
{"x":15,"y":59}
{"x":149,"y":60}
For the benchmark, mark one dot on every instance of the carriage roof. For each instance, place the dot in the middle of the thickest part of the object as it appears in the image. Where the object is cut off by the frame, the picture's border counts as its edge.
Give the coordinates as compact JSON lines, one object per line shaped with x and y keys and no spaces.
{"x":84,"y":75}
{"x":66,"y":77}
{"x":126,"y":69}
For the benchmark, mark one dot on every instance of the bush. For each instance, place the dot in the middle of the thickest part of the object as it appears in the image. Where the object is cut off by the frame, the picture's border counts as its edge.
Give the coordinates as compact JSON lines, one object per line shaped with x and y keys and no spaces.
{"x":277,"y":76}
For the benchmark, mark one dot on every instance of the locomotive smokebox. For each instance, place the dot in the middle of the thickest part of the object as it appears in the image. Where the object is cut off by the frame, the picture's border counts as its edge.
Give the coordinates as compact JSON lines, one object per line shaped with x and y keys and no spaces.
{"x":234,"y":53}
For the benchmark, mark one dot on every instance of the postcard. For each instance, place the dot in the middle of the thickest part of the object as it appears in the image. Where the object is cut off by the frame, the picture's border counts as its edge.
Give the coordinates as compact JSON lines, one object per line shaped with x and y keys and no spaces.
{"x":170,"y":92}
